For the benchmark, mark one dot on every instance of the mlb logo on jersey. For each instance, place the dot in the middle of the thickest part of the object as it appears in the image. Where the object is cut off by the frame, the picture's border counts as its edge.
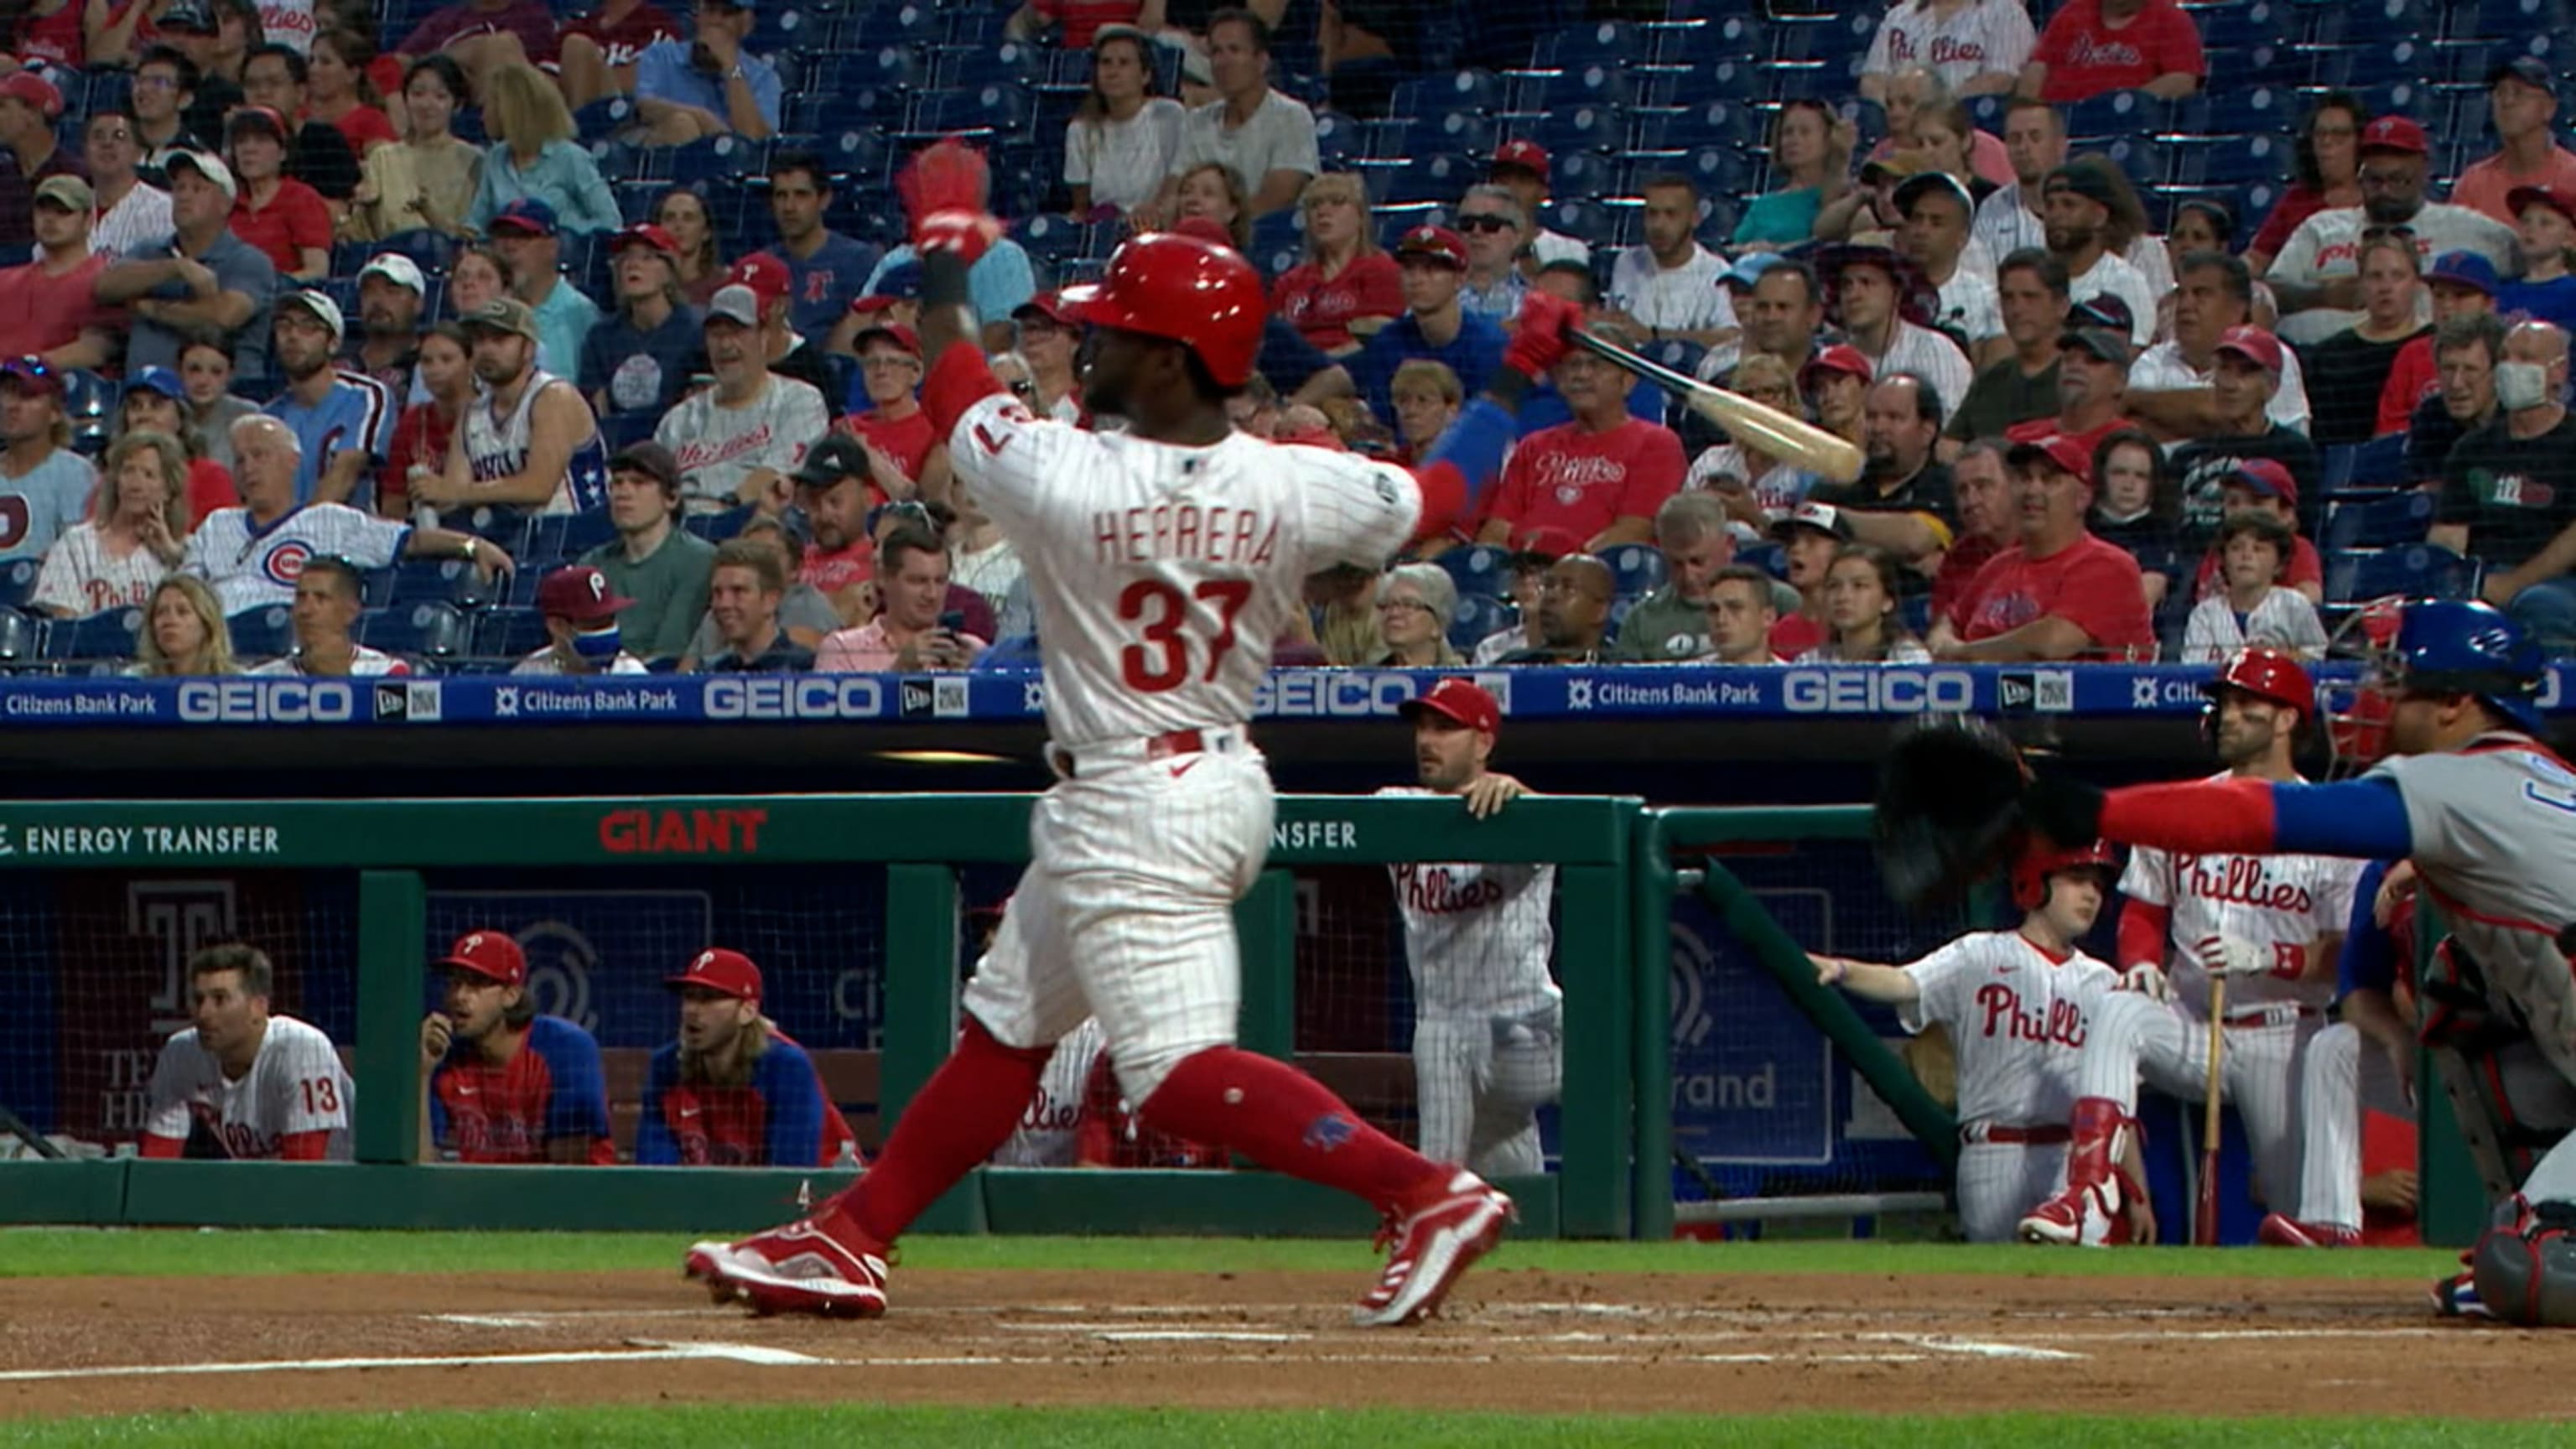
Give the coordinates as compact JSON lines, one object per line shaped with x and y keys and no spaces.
{"x":284,"y":563}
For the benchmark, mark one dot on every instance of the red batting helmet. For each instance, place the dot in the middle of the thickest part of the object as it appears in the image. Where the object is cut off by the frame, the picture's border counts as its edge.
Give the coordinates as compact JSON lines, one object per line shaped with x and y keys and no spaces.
{"x":1205,"y":297}
{"x":2030,"y":874}
{"x":2267,"y":674}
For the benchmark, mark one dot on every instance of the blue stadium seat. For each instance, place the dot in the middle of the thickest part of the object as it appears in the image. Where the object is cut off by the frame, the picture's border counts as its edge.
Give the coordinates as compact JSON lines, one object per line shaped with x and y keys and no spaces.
{"x":1457,"y":131}
{"x":1049,"y":239}
{"x":2499,"y":19}
{"x":554,"y":537}
{"x":717,"y":527}
{"x":909,"y":23}
{"x":2389,"y":522}
{"x":2235,"y":160}
{"x":1834,"y":37}
{"x":1580,"y":175}
{"x":2363,"y":23}
{"x":1479,"y":569}
{"x":1712,"y":122}
{"x":2377,"y":466}
{"x":2240,"y":26}
{"x":2379,"y":63}
{"x":2117,"y":113}
{"x":1609,"y":43}
{"x":445,"y":581}
{"x":508,"y":633}
{"x":262,"y":633}
{"x":425,"y":628}
{"x":1586,"y":221}
{"x":1638,"y":567}
{"x":1478,"y":616}
{"x":1593,"y":84}
{"x":110,"y":635}
{"x":2142,"y":159}
{"x":2415,"y":99}
{"x":603,"y":119}
{"x":1784,"y":81}
{"x":1281,"y":232}
{"x":1436,"y":179}
{"x":992,"y":109}
{"x":2417,"y":570}
{"x":1599,"y":129}
{"x":1719,"y":171}
{"x":1679,"y":354}
{"x":973,"y":67}
{"x":2236,"y":110}
{"x":18,"y":581}
{"x":1731,"y":28}
{"x":1768,"y":557}
{"x":22,"y":637}
{"x":1462,"y":90}
{"x":2277,"y":64}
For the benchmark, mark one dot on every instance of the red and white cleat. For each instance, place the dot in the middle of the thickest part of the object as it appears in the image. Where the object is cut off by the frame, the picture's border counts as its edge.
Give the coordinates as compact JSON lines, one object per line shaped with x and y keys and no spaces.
{"x":2282,"y":1231}
{"x":2079,"y":1217}
{"x":1431,"y":1250}
{"x":795,"y":1269}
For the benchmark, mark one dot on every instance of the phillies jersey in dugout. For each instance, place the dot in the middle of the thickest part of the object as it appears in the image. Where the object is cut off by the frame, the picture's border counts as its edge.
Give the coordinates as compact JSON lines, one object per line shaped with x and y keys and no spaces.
{"x":550,"y":1088}
{"x":780,"y":1118}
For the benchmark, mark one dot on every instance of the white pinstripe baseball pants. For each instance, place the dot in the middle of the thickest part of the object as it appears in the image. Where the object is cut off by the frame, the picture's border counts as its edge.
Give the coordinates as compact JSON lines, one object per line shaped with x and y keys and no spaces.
{"x":1478,"y":1082}
{"x":2000,"y":1181}
{"x":2136,"y":1037}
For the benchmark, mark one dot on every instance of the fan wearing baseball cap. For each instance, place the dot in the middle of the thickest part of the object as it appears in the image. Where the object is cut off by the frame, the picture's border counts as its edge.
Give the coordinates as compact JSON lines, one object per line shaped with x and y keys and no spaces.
{"x":2463,"y":285}
{"x":505,"y":1083}
{"x":2245,"y":373}
{"x":29,"y":106}
{"x":640,"y":358}
{"x":2522,"y":105}
{"x":2545,"y":238}
{"x":2316,"y":280}
{"x":580,"y":609}
{"x":1600,"y":477}
{"x":1432,"y":265}
{"x":2058,"y":592}
{"x":204,"y":282}
{"x":285,"y":218}
{"x":345,"y":420}
{"x":733,"y":1090}
{"x":738,"y":441}
{"x":46,"y":309}
{"x":1488,"y":1037}
{"x":907,"y":458}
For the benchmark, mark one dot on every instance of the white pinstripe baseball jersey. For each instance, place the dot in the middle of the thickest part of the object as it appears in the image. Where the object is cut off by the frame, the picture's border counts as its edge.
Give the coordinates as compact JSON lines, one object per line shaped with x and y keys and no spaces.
{"x":295,"y":1084}
{"x":1477,"y":935}
{"x":2016,"y":1018}
{"x":1161,"y":573}
{"x":2279,"y":902}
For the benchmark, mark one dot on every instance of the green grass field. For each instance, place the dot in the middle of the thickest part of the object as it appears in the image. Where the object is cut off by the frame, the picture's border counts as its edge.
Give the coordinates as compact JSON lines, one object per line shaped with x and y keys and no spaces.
{"x":91,"y":1252}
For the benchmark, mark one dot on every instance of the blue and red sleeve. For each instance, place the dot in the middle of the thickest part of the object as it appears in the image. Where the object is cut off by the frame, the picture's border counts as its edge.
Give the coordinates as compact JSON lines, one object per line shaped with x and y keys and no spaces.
{"x":2363,"y":818}
{"x":2369,"y":959}
{"x":438,"y":1131}
{"x":578,"y":1105}
{"x":793,"y":1103}
{"x":654,"y":1145}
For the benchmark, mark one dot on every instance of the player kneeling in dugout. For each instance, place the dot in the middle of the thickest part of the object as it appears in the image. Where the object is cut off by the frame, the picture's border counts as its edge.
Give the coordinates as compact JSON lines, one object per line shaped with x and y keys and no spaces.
{"x":1489,"y":1025}
{"x":244,"y":1083}
{"x":504,"y":1083}
{"x":2015,"y":1004}
{"x":734,"y":1090}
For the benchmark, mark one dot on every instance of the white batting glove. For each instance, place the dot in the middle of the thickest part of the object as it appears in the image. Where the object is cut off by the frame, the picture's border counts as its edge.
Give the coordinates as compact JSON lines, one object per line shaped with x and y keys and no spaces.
{"x":2148,"y":980}
{"x":2230,"y":956}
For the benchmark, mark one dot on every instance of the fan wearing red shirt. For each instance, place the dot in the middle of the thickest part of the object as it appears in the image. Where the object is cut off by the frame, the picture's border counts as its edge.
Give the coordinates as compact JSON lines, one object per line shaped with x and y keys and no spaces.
{"x":505,"y":1084}
{"x":599,"y":48}
{"x":911,"y":460}
{"x":2094,"y":47}
{"x":734,"y":1090}
{"x":2059,"y":593}
{"x":1600,"y":477}
{"x":281,"y":216}
{"x":841,"y":560}
{"x":1346,"y":288}
{"x":1078,"y":21}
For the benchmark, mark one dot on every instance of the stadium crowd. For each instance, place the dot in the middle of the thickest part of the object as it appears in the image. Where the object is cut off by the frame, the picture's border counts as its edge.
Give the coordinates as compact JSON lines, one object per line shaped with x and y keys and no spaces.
{"x":362,"y":341}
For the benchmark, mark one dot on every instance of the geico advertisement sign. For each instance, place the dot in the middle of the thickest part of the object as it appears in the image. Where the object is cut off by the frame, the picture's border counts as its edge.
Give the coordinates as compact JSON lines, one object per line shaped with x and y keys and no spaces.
{"x":267,"y":701}
{"x":795,"y":696}
{"x":1318,"y":693}
{"x":1877,"y":689}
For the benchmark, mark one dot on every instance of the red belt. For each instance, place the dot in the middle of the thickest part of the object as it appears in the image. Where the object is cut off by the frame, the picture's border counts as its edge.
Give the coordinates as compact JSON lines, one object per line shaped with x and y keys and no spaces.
{"x":2028,"y":1136}
{"x":2271,"y":1015}
{"x":1157,"y":747}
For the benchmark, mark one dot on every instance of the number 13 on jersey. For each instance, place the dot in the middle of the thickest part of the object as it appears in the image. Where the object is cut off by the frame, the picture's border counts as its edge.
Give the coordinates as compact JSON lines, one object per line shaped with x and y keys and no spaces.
{"x":1160,"y":658}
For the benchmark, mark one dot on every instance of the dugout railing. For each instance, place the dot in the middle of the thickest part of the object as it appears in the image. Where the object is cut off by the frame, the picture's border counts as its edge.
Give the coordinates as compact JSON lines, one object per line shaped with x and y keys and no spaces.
{"x":906,"y":855}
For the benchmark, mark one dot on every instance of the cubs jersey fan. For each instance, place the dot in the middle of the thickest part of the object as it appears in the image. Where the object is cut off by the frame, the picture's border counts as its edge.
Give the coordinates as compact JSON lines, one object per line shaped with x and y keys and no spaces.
{"x":250,"y":566}
{"x":292,"y":1104}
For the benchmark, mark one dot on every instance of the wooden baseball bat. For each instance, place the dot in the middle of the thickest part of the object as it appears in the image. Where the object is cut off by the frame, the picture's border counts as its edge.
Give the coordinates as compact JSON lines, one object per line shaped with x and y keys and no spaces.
{"x":1749,"y":423}
{"x":2204,"y":1228}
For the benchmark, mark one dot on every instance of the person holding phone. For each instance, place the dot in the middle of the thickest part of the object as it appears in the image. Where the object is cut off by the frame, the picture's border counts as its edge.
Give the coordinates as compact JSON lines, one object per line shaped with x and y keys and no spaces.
{"x":910,"y":631}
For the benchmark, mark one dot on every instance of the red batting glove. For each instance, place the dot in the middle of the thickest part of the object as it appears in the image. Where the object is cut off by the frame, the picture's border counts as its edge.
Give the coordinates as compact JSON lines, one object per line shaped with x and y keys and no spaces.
{"x":1539,"y":338}
{"x":944,"y":192}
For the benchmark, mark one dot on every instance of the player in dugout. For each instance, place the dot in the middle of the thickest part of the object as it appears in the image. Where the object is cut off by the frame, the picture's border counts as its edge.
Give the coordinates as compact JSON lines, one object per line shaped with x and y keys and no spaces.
{"x":244,"y":1083}
{"x":734,"y":1090}
{"x":503,"y":1083}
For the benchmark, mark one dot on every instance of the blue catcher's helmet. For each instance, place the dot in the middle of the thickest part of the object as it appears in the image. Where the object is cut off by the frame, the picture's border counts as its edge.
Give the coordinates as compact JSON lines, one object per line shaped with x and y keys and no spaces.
{"x":2465,"y":646}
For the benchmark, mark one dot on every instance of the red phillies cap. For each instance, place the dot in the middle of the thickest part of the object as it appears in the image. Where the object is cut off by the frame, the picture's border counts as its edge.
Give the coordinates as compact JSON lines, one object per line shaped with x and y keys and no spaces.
{"x":1841,"y":357}
{"x":1051,"y":307}
{"x":2395,"y":133}
{"x":765,"y":275}
{"x":894,"y":332}
{"x":2524,"y":198}
{"x":491,"y":955}
{"x":579,"y":593}
{"x":2268,"y":478}
{"x":729,"y":972}
{"x":2059,"y":450}
{"x":1528,"y":155}
{"x":1435,"y":242}
{"x":2253,"y":344}
{"x":1460,"y":701}
{"x":645,"y":234}
{"x":37,"y":92}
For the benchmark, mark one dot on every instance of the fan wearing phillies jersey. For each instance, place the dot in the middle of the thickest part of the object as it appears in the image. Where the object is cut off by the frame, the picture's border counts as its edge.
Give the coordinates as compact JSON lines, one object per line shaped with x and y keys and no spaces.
{"x":734,"y":1090}
{"x":242,"y":1083}
{"x":2283,"y":913}
{"x":1489,"y":1021}
{"x":2017,"y":1005}
{"x":1165,"y":560}
{"x":505,"y":1084}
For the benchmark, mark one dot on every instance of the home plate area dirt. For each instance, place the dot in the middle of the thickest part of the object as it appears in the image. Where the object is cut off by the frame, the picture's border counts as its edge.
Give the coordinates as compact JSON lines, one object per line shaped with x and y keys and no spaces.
{"x":1511,"y":1341}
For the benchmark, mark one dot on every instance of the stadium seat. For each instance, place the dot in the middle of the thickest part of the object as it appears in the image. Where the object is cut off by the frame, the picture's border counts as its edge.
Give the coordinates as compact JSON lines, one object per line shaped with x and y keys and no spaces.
{"x":1480,"y":569}
{"x":1436,"y":179}
{"x":2142,"y":159}
{"x":2117,"y":113}
{"x":1456,"y":131}
{"x":715,"y":161}
{"x":508,"y":633}
{"x":1835,"y":37}
{"x":427,"y":629}
{"x":2368,"y":468}
{"x":113,"y":634}
{"x":1478,"y":616}
{"x":915,"y":22}
{"x":2363,"y":24}
{"x":2235,"y":110}
{"x":975,"y":66}
{"x":2235,"y":160}
{"x":18,"y":581}
{"x":445,"y":581}
{"x":2418,"y":570}
{"x":1608,"y":43}
{"x":1716,"y":121}
{"x":22,"y":637}
{"x":2390,"y":522}
{"x":1463,"y":90}
{"x":2358,"y":67}
{"x":603,"y":119}
{"x":1580,"y":175}
{"x":1719,"y":171}
{"x":1598,"y":129}
{"x":717,"y":527}
{"x":1584,"y":85}
{"x":2240,"y":26}
{"x":507,"y":527}
{"x":1638,"y":567}
{"x":554,"y":537}
{"x":262,"y":633}
{"x":2506,"y":19}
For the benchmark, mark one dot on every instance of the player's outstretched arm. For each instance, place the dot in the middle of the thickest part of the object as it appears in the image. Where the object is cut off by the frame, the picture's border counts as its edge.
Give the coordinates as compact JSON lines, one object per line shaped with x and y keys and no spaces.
{"x":1887,"y":985}
{"x":2364,"y":819}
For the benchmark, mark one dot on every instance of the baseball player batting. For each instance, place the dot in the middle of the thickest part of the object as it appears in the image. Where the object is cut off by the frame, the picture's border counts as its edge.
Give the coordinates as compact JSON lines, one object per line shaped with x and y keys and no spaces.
{"x":2016,"y":1005}
{"x":244,"y":1083}
{"x":1489,"y":1021}
{"x":1164,"y":560}
{"x":2487,"y":814}
{"x":2268,"y":922}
